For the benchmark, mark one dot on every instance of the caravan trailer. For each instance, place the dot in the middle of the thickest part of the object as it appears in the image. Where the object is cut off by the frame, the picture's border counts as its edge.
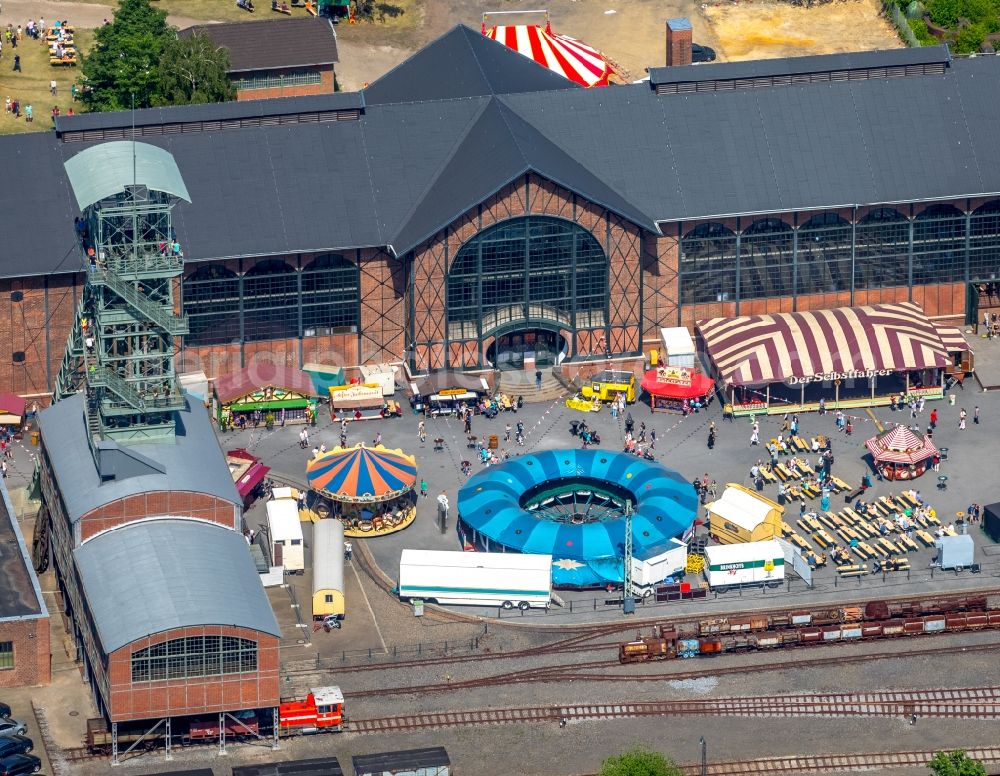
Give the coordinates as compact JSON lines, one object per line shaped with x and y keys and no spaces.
{"x":285,"y":535}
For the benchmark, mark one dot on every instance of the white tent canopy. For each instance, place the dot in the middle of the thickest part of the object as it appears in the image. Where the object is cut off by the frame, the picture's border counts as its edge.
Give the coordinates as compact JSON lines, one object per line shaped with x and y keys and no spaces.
{"x":740,"y":508}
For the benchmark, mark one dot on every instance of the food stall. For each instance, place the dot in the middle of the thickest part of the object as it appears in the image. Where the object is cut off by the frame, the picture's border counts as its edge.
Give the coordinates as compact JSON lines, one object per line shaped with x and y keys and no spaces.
{"x":677,"y":389}
{"x":900,"y":454}
{"x":360,"y":401}
{"x":12,"y":408}
{"x":369,"y":489}
{"x":266,"y":394}
{"x":609,"y":384}
{"x":442,"y":393}
{"x":324,"y":376}
{"x":248,"y":474}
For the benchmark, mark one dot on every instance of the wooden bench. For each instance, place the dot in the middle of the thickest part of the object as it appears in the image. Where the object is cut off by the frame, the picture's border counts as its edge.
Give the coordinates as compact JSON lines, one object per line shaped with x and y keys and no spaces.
{"x":68,"y":61}
{"x":804,"y":469}
{"x":841,"y":485}
{"x":907,"y":542}
{"x":827,"y":520}
{"x":811,"y":490}
{"x":853,"y":571}
{"x":783,"y":474}
{"x":866,"y":529}
{"x":865,"y":551}
{"x":813,"y":559}
{"x":799,"y":542}
{"x":800,"y":444}
{"x":926,"y":539}
{"x":889,"y":547}
{"x":823,"y":539}
{"x":908,"y":499}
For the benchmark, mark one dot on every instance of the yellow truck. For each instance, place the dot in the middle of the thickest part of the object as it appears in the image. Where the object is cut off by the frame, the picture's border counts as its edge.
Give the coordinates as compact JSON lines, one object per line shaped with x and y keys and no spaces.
{"x":607,"y":385}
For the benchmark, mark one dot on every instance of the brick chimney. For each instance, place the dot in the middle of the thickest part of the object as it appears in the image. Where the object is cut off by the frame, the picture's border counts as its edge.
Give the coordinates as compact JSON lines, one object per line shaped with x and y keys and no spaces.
{"x":678,"y":42}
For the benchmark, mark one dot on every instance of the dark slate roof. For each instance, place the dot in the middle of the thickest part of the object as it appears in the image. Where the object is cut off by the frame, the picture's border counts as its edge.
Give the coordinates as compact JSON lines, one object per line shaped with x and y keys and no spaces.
{"x":460,"y":119}
{"x":408,"y":760}
{"x":147,"y":577}
{"x":463,"y":63}
{"x":858,"y":60}
{"x":193,"y":462}
{"x":20,"y":595}
{"x":275,"y":44}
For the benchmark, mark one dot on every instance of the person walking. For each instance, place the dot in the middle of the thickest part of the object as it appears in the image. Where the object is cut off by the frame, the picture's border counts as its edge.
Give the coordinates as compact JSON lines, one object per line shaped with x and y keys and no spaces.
{"x":423,"y":488}
{"x":538,"y":379}
{"x":848,"y":427}
{"x":934,"y":418}
{"x":506,"y":433}
{"x":754,"y":436}
{"x":17,"y":63}
{"x":422,"y":431}
{"x":962,"y":415}
{"x":348,"y":550}
{"x":53,"y":86}
{"x":975,"y":415}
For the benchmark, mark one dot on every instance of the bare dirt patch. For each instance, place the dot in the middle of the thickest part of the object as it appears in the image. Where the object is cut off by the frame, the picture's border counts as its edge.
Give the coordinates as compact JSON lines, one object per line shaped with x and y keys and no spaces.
{"x":765,"y":30}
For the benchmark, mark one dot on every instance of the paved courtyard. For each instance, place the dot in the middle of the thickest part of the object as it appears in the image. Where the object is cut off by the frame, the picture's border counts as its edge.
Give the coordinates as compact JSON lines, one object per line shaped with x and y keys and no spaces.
{"x":682,"y":445}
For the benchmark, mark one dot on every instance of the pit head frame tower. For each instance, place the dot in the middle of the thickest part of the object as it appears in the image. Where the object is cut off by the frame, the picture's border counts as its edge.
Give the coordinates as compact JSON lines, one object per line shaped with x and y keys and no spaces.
{"x":121,"y":348}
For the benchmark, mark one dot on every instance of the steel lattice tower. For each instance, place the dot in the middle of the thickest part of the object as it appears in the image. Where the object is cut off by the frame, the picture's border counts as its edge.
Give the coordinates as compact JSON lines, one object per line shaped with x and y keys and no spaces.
{"x":121,"y":348}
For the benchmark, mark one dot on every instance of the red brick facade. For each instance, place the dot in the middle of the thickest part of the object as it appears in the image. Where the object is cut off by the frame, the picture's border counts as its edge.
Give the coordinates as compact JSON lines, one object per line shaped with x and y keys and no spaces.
{"x":152,"y":700}
{"x":32,"y":652}
{"x":325,"y":86}
{"x":173,"y":503}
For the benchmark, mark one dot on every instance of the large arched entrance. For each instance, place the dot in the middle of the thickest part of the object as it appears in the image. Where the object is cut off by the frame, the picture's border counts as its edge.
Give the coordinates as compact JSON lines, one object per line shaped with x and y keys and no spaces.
{"x":543,"y":347}
{"x":524,"y":280}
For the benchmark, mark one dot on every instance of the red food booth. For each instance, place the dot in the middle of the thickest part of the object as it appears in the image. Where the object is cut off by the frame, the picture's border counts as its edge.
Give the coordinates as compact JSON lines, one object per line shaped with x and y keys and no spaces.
{"x":677,"y":389}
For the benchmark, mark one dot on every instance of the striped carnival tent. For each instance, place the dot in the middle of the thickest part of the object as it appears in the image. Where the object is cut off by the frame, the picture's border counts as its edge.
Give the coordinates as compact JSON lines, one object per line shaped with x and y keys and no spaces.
{"x":900,"y":453}
{"x":362,"y":474}
{"x":562,"y":54}
{"x":821,"y":345}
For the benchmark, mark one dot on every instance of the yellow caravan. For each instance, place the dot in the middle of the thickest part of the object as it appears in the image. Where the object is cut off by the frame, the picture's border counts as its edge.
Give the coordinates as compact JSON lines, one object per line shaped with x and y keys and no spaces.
{"x":741,"y":515}
{"x":608,"y":384}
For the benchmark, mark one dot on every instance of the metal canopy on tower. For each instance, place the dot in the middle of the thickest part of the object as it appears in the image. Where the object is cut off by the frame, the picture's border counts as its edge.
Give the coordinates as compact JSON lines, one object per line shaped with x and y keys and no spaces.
{"x":121,"y":348}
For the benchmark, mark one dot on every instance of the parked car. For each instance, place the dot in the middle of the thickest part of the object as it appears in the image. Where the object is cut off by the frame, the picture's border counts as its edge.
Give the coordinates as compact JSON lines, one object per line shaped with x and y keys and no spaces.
{"x":702,"y":53}
{"x":11,"y":727}
{"x":4,"y":711}
{"x":15,"y":745}
{"x":19,"y":764}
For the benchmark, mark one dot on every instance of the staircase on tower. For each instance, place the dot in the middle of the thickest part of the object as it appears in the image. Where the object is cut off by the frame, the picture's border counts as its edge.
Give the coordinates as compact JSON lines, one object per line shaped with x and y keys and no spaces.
{"x":121,"y":348}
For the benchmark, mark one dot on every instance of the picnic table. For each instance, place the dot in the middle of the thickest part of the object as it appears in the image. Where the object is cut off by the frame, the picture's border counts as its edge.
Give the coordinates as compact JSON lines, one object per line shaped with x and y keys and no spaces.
{"x":786,"y":529}
{"x":811,"y":524}
{"x":841,"y":485}
{"x":866,"y":551}
{"x":68,"y":59}
{"x":827,"y":519}
{"x":799,"y":542}
{"x":907,"y":542}
{"x":804,"y":468}
{"x":852,"y":570}
{"x":925,"y":538}
{"x":907,"y":498}
{"x":800,"y":444}
{"x":889,"y":547}
{"x":866,"y":529}
{"x":783,"y":473}
{"x":823,"y":539}
{"x":768,"y":475}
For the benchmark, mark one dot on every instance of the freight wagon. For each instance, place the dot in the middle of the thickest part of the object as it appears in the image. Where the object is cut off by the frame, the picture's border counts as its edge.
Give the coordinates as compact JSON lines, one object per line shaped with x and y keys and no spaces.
{"x":730,"y":566}
{"x":670,"y":644}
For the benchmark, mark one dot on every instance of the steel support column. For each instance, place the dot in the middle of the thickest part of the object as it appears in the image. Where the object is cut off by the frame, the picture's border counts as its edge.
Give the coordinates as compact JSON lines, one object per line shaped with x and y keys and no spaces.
{"x":275,"y":746}
{"x":168,"y":753}
{"x":222,"y":734}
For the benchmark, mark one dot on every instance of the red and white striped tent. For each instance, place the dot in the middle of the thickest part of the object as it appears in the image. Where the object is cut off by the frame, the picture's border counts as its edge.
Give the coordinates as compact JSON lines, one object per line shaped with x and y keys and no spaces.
{"x":562,"y":54}
{"x":900,"y":445}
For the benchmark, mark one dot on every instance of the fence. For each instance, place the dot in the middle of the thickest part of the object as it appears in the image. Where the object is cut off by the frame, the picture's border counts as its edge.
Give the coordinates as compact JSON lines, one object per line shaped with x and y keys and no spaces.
{"x":898,"y":19}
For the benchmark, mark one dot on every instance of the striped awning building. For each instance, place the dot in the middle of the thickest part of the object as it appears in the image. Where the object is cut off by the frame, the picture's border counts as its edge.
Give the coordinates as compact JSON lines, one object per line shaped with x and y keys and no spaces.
{"x":952,"y":338}
{"x":821,"y":345}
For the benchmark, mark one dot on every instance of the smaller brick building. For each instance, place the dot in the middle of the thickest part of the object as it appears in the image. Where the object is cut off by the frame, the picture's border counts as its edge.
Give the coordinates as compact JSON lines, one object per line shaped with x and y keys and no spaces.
{"x":25,"y":655}
{"x":278,"y":58}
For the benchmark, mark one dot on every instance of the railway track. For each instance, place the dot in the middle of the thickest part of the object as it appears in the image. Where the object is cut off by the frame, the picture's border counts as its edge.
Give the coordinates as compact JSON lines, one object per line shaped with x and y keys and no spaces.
{"x":833,"y":763}
{"x":967,"y":703}
{"x":584,"y":671}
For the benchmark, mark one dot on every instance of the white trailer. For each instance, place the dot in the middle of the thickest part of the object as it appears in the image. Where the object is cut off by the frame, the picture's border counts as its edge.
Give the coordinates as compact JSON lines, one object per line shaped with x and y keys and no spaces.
{"x":660,"y":561}
{"x":751,"y":564}
{"x":504,"y":579}
{"x":285,"y":534}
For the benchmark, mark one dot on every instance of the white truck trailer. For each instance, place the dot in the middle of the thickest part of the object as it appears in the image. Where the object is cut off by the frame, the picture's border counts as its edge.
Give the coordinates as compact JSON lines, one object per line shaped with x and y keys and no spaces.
{"x":750,"y":564}
{"x":659,"y":562}
{"x":504,"y":579}
{"x":285,"y":533}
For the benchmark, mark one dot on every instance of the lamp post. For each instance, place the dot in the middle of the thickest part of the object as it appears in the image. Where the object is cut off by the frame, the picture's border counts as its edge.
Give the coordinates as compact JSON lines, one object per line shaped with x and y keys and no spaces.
{"x":704,"y":756}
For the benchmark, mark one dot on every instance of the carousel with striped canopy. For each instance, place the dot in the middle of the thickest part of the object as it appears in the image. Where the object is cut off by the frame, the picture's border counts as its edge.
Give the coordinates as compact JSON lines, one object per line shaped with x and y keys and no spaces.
{"x":370,"y":489}
{"x":901,"y":454}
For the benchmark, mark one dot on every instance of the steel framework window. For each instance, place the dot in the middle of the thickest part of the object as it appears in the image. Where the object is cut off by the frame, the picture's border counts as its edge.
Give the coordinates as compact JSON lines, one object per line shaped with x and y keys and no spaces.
{"x":194,"y":656}
{"x":212,"y":303}
{"x":939,"y":245}
{"x":270,"y":301}
{"x":824,"y":255}
{"x":882,"y":254}
{"x":708,"y":264}
{"x":331,"y":296}
{"x":532,"y":268}
{"x":270,"y":80}
{"x":766,"y":259}
{"x":6,"y":655}
{"x":984,"y":242}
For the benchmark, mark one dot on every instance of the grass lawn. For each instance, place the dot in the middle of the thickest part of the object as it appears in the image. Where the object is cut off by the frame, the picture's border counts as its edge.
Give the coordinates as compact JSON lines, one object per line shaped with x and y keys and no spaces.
{"x":31,"y":85}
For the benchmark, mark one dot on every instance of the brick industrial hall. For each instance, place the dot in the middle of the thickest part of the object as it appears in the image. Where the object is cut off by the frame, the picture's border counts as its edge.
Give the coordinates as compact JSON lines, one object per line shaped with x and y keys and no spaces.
{"x":470,"y":206}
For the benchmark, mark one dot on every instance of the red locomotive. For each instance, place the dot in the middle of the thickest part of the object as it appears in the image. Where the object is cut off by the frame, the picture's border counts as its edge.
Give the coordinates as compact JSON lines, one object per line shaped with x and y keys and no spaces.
{"x":321,"y":711}
{"x":802,"y":629}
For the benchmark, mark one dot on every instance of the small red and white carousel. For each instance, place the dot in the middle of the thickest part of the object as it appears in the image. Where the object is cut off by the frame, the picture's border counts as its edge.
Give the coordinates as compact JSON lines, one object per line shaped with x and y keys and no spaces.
{"x":561,"y":54}
{"x":900,"y":454}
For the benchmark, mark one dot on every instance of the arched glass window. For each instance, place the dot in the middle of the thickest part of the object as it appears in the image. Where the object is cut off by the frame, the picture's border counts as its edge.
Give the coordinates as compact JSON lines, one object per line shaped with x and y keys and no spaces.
{"x":212,"y":303}
{"x":270,"y":301}
{"x":984,"y":242}
{"x":194,"y":656}
{"x":766,"y":259}
{"x":939,"y":245}
{"x":708,"y":264}
{"x":824,"y":255}
{"x":882,"y":240}
{"x":535,"y":268}
{"x":330,"y":296}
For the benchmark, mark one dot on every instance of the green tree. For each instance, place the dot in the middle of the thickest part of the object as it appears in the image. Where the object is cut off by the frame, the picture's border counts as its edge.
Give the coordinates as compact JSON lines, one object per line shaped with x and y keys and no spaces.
{"x":956,"y":763}
{"x":639,"y":761}
{"x":124,"y":59}
{"x":970,"y":38}
{"x":193,"y":70}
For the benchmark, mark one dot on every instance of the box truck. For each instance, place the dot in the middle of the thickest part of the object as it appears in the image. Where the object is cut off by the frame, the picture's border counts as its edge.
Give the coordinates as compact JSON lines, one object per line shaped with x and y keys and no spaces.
{"x":751,"y":564}
{"x":285,"y":533}
{"x":504,"y":579}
